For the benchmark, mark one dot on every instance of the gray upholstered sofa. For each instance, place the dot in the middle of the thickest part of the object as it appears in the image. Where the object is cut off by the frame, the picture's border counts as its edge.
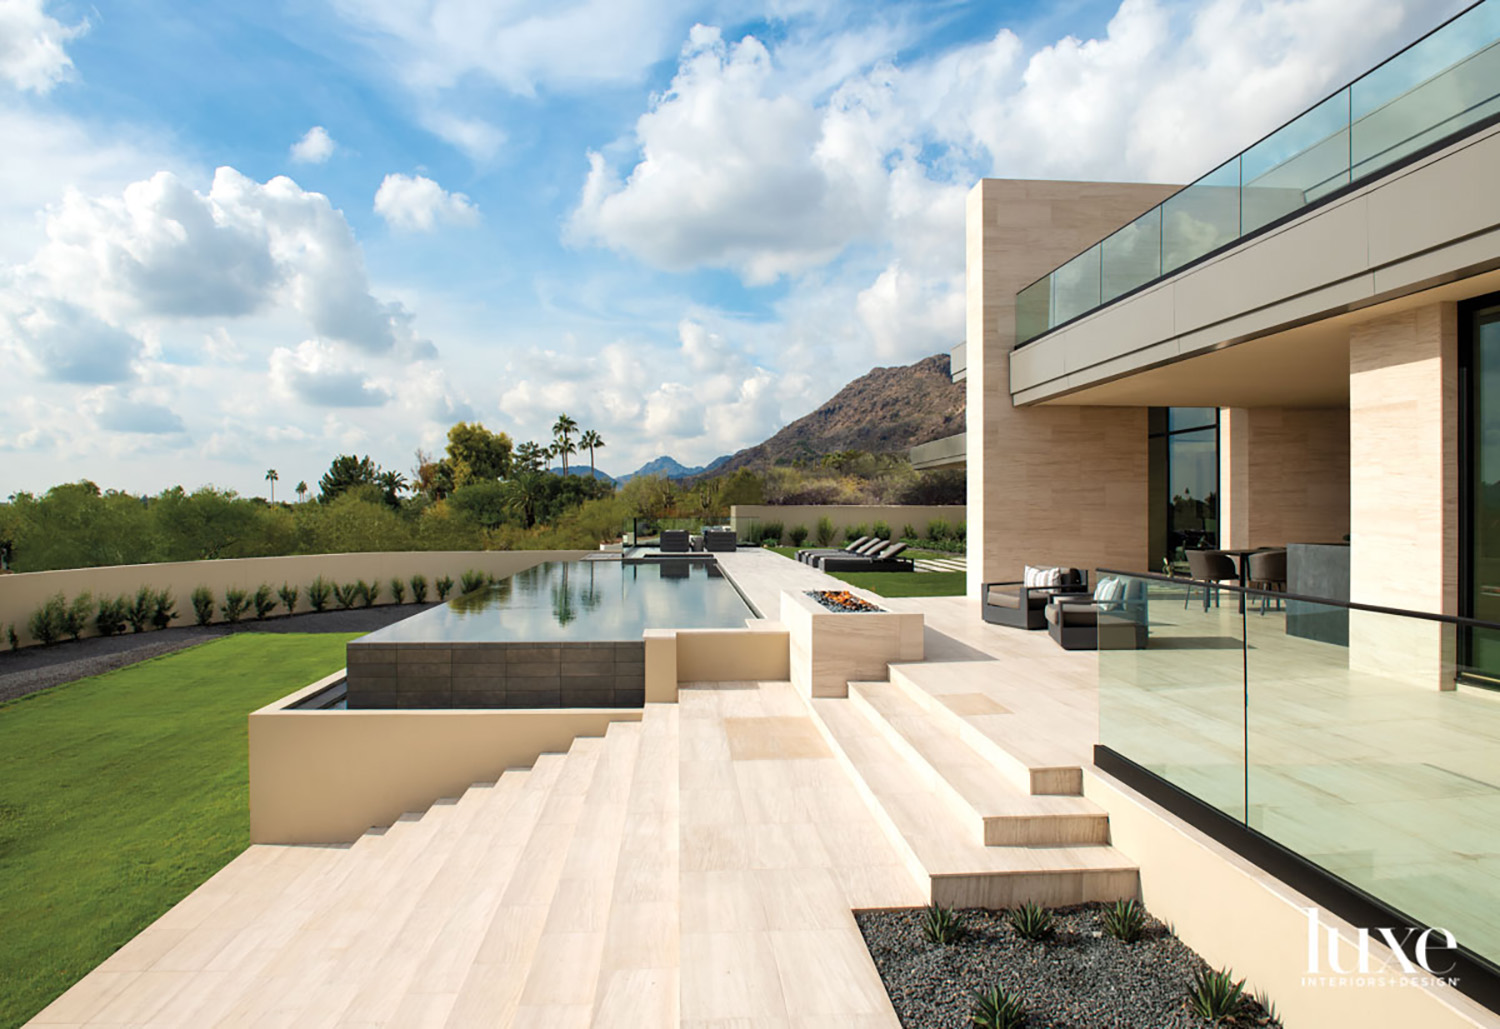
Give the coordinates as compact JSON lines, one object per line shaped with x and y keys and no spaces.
{"x":1022,"y":604}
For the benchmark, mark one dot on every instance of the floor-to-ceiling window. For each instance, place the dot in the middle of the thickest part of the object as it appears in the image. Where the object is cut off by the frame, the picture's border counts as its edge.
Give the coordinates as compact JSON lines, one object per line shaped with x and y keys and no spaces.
{"x":1184,"y":450}
{"x":1480,"y":485}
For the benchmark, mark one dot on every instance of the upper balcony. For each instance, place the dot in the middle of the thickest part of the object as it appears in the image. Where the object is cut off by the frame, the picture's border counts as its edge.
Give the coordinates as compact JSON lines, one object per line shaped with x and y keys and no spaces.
{"x":1422,"y":98}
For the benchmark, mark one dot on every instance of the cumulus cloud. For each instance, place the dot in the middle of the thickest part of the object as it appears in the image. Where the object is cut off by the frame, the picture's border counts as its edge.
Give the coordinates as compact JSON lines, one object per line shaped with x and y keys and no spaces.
{"x":315,"y":146}
{"x":320,"y":374}
{"x":116,"y":413}
{"x":62,"y":342}
{"x":414,"y":203}
{"x":162,"y":249}
{"x":31,"y":45}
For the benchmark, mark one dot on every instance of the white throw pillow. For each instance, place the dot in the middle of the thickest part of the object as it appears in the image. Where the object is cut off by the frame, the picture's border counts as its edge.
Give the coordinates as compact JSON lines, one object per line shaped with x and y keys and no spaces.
{"x":1039,"y":577}
{"x":1109,"y":591}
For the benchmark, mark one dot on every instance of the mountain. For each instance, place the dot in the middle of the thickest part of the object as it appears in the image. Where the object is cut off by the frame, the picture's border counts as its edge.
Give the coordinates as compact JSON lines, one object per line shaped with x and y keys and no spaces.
{"x":674,"y":469}
{"x":887,"y":410}
{"x":574,"y":469}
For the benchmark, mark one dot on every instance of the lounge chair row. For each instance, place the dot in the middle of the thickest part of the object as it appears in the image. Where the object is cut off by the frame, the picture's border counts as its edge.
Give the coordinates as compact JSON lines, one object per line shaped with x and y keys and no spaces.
{"x":866,"y":554}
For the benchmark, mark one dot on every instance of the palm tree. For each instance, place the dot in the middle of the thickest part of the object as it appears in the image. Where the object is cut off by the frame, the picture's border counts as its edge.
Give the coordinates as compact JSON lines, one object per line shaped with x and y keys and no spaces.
{"x":272,"y":478}
{"x":562,"y":431}
{"x":302,"y":490}
{"x":524,"y":493}
{"x":562,"y":448}
{"x":593,"y":441}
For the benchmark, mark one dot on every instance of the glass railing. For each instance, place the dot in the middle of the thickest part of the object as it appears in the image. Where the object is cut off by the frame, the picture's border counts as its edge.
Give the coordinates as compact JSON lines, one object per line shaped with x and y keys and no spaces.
{"x":1345,"y":734}
{"x":1437,"y":88}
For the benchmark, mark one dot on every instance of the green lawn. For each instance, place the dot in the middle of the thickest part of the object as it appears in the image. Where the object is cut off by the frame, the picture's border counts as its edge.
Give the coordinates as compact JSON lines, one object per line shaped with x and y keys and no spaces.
{"x":900,"y":584}
{"x":120,"y":794}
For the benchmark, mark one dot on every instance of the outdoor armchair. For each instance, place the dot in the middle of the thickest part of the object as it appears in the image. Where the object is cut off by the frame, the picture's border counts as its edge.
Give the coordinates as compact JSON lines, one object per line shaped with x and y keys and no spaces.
{"x":1112,"y":618}
{"x":1022,"y":603}
{"x":674,"y":541}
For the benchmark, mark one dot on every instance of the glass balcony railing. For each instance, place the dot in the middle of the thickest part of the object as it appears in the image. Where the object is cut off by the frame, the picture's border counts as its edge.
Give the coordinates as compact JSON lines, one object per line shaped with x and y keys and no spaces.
{"x":1333,"y":730}
{"x":1440,"y":86}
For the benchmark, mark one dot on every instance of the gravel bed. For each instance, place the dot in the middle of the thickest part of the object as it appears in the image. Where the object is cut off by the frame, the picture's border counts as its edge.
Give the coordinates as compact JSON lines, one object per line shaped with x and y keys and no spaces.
{"x":38,"y":668}
{"x":1079,"y":978}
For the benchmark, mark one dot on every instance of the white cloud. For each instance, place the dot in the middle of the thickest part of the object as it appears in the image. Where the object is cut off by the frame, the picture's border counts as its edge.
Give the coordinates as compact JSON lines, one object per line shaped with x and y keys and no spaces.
{"x":474,"y":136}
{"x":417,"y":204}
{"x":164,"y":250}
{"x":62,"y":342}
{"x":320,"y":374}
{"x":315,"y":146}
{"x":31,"y":45}
{"x":130,"y":414}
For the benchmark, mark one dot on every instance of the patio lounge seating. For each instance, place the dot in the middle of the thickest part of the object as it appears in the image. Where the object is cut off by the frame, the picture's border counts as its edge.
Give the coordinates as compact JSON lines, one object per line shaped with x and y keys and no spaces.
{"x":884,"y":560}
{"x":1022,"y":604}
{"x":674,"y":541}
{"x":1112,"y":618}
{"x":859,"y":546}
{"x":720,"y":540}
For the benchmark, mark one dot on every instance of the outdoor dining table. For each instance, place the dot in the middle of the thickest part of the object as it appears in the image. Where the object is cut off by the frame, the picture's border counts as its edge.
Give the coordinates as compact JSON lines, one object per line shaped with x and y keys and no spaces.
{"x":1241,"y":556}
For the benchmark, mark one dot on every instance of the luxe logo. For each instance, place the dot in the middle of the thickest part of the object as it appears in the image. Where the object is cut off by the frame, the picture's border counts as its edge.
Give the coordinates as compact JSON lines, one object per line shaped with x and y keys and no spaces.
{"x":1423,"y":957}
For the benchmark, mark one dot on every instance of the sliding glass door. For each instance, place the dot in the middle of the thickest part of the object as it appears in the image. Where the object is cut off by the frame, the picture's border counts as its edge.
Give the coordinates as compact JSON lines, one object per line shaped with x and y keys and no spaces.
{"x":1481,"y":485}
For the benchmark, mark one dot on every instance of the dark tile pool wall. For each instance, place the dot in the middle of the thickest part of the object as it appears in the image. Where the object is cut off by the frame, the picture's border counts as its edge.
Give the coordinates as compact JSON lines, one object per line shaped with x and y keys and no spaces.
{"x":496,"y":675}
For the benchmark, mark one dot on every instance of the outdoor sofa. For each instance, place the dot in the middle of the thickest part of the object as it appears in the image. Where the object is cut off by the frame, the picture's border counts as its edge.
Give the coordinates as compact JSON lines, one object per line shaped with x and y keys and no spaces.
{"x":1022,"y":604}
{"x":884,"y":560}
{"x":675,"y":541}
{"x":720,"y":541}
{"x":1113,"y":617}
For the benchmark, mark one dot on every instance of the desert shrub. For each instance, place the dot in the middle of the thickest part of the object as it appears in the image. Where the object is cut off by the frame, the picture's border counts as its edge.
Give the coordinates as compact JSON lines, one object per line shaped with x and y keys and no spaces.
{"x":797,"y":534}
{"x":203,"y":605}
{"x":318,"y":592}
{"x":854,"y":532}
{"x":471,"y":581}
{"x":112,"y":616}
{"x":1216,"y":996}
{"x":138,"y":613}
{"x":265,"y":600}
{"x":961,"y":531}
{"x":444,"y":587}
{"x":236,"y":603}
{"x":938,"y":530}
{"x":771,"y":532}
{"x":346,"y":595}
{"x":1125,"y":920}
{"x":940,"y":925}
{"x":1031,"y":921}
{"x":78,"y":614}
{"x":997,"y":1008}
{"x":825,"y":531}
{"x":909,"y":531}
{"x":288,"y":595}
{"x":46,"y":622}
{"x":369,"y":592}
{"x":398,"y":591}
{"x":419,"y":589}
{"x":12,"y":638}
{"x":881,"y":530}
{"x":163,"y":609}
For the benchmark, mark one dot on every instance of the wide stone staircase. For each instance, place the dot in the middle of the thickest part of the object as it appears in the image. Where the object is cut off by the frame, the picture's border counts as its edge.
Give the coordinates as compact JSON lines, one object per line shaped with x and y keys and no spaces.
{"x":983,"y":825}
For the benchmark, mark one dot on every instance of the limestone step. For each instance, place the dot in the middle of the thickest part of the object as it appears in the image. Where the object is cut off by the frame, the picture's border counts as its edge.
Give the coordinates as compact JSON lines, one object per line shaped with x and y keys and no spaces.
{"x":1028,"y":759}
{"x":988,"y":800}
{"x":937,"y":845}
{"x":559,"y":988}
{"x":639,"y":967}
{"x":491,"y":989}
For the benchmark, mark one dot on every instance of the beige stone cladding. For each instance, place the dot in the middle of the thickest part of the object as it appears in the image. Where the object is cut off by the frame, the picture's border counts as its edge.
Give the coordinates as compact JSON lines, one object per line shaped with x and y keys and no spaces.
{"x":1403,"y":489}
{"x":1284,"y":475}
{"x":1047,"y":485}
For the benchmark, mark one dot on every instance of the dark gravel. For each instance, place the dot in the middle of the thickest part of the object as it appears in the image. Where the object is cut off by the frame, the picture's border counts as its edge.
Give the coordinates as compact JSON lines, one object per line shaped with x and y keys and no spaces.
{"x":1077,"y":979}
{"x":38,"y":668}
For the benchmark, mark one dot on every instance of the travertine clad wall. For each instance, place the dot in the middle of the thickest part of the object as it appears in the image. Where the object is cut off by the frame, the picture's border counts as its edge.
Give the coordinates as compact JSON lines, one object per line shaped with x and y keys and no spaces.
{"x":1403,"y":488}
{"x":1284,"y":475}
{"x":1047,"y":485}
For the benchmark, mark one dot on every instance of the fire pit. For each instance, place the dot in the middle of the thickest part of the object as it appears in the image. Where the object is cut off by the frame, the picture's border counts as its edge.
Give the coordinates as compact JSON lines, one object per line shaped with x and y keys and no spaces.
{"x":842,"y":601}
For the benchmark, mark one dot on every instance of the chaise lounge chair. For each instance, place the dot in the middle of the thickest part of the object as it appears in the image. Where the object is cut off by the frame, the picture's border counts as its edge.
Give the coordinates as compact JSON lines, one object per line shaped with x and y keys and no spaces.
{"x":1023,"y":604}
{"x":859,"y":546}
{"x":883,"y":561}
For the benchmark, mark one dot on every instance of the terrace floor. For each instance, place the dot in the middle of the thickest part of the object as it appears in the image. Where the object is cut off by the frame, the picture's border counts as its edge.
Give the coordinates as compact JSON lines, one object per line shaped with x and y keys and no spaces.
{"x":697,"y":868}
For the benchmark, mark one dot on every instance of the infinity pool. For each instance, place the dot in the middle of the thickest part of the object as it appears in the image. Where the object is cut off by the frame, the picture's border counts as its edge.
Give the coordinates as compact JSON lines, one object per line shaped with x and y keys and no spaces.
{"x":580,"y":600}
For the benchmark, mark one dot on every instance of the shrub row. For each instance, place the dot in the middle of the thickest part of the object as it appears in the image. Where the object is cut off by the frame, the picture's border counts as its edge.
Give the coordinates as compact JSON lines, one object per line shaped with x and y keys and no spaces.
{"x":58,"y":618}
{"x":939,"y":535}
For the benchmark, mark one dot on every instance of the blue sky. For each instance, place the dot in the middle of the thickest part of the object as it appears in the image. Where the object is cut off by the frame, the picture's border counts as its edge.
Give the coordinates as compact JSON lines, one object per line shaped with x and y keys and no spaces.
{"x":245,"y":236}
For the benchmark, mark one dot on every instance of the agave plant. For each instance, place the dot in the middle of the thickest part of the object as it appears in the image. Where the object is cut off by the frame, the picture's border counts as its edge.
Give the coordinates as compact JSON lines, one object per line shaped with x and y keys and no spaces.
{"x":940,"y":925}
{"x":997,"y":1008}
{"x":1031,"y":921}
{"x":1124,"y":920}
{"x":1216,"y":995}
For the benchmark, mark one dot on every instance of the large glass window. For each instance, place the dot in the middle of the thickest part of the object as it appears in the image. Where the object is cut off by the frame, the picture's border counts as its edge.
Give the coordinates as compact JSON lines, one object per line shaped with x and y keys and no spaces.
{"x":1482,"y":487}
{"x":1184,"y":449}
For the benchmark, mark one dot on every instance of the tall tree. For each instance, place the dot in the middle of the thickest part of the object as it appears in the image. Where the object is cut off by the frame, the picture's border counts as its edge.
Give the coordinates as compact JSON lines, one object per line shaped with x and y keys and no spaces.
{"x":562,"y":431}
{"x":593,"y":441}
{"x":524,"y":494}
{"x":272,"y":478}
{"x":392,"y":483}
{"x":302,"y":490}
{"x":345,"y":473}
{"x":475,"y":454}
{"x":530,"y":457}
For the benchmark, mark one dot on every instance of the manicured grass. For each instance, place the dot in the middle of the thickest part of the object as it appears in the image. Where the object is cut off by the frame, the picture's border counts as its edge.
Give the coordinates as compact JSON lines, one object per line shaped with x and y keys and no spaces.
{"x":907,"y":584}
{"x":120,"y":794}
{"x":913,"y":552}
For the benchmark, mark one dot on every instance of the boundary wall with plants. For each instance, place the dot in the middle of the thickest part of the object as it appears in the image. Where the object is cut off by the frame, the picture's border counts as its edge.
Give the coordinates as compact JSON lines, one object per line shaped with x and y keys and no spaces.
{"x":21,"y":594}
{"x":746,"y":519}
